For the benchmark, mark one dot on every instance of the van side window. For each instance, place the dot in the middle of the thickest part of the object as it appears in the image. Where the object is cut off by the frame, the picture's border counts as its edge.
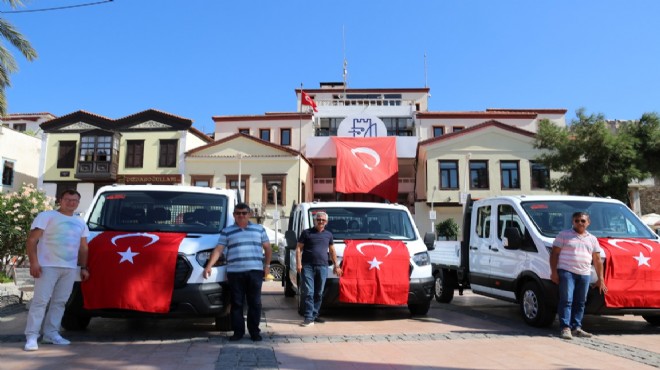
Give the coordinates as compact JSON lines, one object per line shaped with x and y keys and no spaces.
{"x":483,"y":222}
{"x":507,"y":217}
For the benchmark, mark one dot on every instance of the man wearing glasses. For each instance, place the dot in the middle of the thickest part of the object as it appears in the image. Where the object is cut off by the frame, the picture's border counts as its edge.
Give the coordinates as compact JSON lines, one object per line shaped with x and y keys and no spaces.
{"x":312,"y":251}
{"x":573,"y":251}
{"x":245,"y":246}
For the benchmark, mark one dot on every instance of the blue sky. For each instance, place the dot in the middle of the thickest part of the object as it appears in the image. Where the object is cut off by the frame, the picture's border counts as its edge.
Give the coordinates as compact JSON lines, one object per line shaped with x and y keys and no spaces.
{"x":201,"y":58}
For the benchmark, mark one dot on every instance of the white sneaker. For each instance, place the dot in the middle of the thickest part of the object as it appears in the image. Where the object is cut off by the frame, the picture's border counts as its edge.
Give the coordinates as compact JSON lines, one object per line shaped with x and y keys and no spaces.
{"x":55,"y":339}
{"x":31,"y":344}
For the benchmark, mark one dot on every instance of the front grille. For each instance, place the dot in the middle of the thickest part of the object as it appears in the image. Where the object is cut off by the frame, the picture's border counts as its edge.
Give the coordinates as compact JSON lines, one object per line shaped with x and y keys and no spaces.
{"x":182,"y":271}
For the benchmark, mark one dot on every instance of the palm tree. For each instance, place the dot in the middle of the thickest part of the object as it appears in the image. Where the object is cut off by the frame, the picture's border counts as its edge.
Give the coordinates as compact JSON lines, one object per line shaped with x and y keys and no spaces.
{"x":7,"y":62}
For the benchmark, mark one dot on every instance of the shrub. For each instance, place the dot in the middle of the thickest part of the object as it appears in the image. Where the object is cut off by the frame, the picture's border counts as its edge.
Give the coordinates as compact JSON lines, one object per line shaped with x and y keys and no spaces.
{"x":448,"y":229}
{"x":17,"y":211}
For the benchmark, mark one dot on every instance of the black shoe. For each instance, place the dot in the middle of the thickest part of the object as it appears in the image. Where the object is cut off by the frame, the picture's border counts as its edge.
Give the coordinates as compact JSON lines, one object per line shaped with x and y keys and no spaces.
{"x":256,"y":337}
{"x":235,"y":337}
{"x":319,"y":320}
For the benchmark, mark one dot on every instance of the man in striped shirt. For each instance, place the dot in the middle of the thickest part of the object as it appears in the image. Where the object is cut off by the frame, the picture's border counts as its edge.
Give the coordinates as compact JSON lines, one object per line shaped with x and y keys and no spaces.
{"x":245,"y":246}
{"x":573,"y":251}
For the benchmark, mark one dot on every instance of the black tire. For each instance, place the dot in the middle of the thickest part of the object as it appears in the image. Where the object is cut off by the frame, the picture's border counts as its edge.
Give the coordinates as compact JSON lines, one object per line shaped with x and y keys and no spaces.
{"x":277,"y":271}
{"x":445,"y":284}
{"x":223,"y":322}
{"x":652,"y":319}
{"x":419,"y":309}
{"x":534,"y":307}
{"x":75,"y":321}
{"x":289,"y":291}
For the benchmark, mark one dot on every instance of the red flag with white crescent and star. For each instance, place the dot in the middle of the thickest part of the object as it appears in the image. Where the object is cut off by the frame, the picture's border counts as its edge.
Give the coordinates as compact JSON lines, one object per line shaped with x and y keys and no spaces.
{"x":632,"y":272}
{"x":307,"y":100}
{"x":375,"y":272}
{"x":367,"y":166}
{"x":133,"y":271}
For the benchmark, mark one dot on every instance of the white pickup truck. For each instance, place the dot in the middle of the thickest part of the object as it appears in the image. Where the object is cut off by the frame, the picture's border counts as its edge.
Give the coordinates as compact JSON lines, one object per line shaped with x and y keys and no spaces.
{"x":362,"y":221}
{"x":506,"y":246}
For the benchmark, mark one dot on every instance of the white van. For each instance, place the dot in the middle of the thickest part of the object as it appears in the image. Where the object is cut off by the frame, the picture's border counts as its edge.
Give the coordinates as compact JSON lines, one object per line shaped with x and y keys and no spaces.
{"x":361,"y":221}
{"x":196,"y":214}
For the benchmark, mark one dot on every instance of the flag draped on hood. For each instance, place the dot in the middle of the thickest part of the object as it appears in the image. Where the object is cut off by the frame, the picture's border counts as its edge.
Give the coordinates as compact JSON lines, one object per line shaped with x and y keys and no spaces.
{"x":632,"y":272}
{"x":375,"y":272}
{"x":133,"y":271}
{"x":367,"y":166}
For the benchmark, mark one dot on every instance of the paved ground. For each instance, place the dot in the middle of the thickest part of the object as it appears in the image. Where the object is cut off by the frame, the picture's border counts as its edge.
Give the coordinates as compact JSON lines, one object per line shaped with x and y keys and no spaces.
{"x":471,"y":333}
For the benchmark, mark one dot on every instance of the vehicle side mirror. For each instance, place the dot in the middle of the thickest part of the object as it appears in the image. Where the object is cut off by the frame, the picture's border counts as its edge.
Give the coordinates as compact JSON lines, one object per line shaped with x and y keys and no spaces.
{"x":429,"y":241}
{"x":512,"y":238}
{"x":291,"y":239}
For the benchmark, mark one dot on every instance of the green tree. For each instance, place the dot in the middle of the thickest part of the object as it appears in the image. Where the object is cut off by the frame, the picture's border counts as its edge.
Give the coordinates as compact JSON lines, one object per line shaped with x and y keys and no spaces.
{"x":593,"y":159}
{"x":7,"y":62}
{"x":645,"y":137}
{"x":17,"y":211}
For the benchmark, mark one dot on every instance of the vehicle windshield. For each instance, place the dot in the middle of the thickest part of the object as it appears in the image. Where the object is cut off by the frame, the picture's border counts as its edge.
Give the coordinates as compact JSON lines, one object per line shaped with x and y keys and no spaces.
{"x":608,"y":220}
{"x":367,"y":223}
{"x":159,"y":211}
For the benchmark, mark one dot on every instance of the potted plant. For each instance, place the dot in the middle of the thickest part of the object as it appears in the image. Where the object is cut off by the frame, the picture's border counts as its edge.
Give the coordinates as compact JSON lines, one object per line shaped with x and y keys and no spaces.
{"x":447,"y":229}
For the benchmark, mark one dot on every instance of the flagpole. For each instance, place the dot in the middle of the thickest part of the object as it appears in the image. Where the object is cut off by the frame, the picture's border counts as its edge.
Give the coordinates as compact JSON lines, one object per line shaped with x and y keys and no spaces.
{"x":300,"y":146}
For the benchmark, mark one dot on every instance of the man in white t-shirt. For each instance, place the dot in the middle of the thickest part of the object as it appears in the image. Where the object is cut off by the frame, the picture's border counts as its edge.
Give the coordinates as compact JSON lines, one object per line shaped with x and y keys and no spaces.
{"x":56,"y":245}
{"x":573,"y":251}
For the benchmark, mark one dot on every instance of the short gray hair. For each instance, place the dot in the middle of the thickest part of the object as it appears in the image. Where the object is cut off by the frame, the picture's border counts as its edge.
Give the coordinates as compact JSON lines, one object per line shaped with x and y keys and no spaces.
{"x":322,"y":215}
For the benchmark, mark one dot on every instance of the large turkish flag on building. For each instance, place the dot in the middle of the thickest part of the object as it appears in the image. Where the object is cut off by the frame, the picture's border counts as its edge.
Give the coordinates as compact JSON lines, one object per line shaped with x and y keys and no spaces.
{"x":375,"y":272}
{"x":632,"y":272}
{"x":133,"y":271}
{"x":367,"y":166}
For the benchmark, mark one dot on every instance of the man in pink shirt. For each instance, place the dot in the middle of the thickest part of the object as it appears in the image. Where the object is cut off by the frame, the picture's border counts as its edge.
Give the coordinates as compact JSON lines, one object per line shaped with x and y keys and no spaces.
{"x":573,"y":251}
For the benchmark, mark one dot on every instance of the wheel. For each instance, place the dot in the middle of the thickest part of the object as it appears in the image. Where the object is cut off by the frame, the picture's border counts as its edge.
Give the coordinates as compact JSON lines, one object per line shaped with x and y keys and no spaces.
{"x":534,"y":307}
{"x":419,"y":309}
{"x":75,"y":321}
{"x":652,"y":319}
{"x":445,"y":283}
{"x":223,"y":322}
{"x":289,"y":291}
{"x":277,"y":271}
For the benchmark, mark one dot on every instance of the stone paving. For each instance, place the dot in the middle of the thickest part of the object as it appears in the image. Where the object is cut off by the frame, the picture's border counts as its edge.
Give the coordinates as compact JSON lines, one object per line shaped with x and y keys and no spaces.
{"x":451,"y":337}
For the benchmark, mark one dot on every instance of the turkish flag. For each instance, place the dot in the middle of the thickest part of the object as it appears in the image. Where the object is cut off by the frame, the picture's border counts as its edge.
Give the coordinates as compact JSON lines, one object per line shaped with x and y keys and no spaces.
{"x":367,"y":166}
{"x":307,"y":100}
{"x":375,"y":272}
{"x":133,"y":271}
{"x":632,"y":273}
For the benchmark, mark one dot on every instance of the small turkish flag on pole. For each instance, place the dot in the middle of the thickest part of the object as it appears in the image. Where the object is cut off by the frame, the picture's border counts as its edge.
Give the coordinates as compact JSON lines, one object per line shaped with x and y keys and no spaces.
{"x":307,"y":100}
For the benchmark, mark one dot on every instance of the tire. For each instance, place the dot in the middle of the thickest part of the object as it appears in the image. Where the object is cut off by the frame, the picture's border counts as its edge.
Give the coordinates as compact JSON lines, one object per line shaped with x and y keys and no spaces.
{"x":288,"y":285}
{"x":223,"y":322}
{"x":534,"y":307}
{"x":445,"y":284}
{"x":75,"y":322}
{"x":277,"y":271}
{"x":419,"y":309}
{"x":652,"y":319}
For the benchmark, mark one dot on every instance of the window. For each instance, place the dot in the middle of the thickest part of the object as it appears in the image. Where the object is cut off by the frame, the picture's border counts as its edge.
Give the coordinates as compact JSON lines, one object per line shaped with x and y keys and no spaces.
{"x":328,"y":126}
{"x":232,"y":183}
{"x":167,"y":157}
{"x":7,"y":172}
{"x":457,"y":128}
{"x":285,"y":136}
{"x":540,"y":176}
{"x":204,"y":181}
{"x":21,"y":127}
{"x":438,"y":131}
{"x":448,"y":174}
{"x":264,"y":134}
{"x":398,"y":126}
{"x":66,"y":154}
{"x":483,"y":222}
{"x":479,"y":175}
{"x":134,"y":153}
{"x":269,"y":182}
{"x":95,"y":149}
{"x":510,"y":173}
{"x":245,"y":131}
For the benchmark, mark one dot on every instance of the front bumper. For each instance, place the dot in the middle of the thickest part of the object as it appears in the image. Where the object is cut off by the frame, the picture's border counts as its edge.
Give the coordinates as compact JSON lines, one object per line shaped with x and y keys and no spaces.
{"x":420,"y":291}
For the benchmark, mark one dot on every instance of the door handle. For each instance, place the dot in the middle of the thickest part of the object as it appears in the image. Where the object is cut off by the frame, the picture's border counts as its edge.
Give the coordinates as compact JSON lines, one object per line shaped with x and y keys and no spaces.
{"x":494,"y":249}
{"x":473,"y":248}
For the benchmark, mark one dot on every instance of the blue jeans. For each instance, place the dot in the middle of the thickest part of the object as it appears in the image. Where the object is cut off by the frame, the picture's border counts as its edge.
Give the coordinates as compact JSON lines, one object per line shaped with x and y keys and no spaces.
{"x":314,"y":280}
{"x":573,"y":290}
{"x":245,"y":287}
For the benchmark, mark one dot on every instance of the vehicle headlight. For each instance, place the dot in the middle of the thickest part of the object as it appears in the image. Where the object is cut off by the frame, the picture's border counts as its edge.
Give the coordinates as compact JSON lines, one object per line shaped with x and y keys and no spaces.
{"x":422,"y":259}
{"x":203,"y":257}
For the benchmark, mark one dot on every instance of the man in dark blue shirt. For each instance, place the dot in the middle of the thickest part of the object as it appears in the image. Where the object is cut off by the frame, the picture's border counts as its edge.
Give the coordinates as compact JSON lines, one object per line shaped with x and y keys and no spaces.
{"x":312,"y":251}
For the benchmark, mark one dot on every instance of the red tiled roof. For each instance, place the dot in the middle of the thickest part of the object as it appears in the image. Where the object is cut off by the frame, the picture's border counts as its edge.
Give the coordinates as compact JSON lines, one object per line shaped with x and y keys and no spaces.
{"x":481,"y":126}
{"x":478,"y":114}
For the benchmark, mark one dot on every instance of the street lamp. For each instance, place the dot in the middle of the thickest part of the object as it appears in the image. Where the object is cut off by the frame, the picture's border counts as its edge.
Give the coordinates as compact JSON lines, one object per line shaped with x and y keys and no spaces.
{"x":276,"y":215}
{"x":432,"y":212}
